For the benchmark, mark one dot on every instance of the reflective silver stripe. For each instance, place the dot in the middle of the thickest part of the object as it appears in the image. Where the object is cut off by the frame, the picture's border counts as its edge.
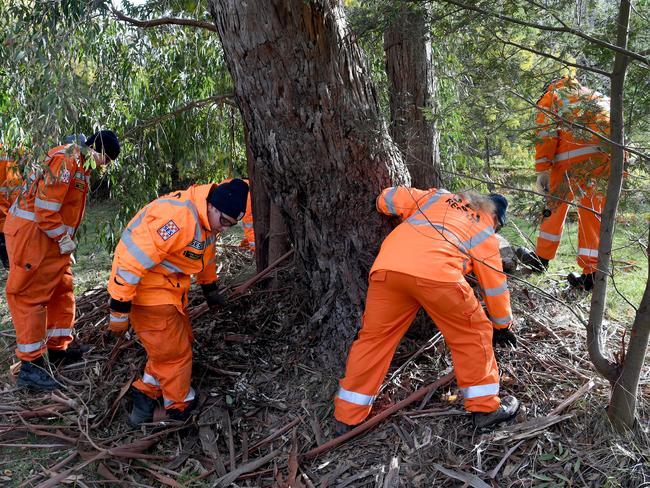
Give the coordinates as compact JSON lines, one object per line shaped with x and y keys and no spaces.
{"x":150,"y":380}
{"x":136,"y":252}
{"x":480,"y":390}
{"x":356,"y":398}
{"x":592,"y":253}
{"x":543,"y":160}
{"x":501,"y":320}
{"x":34,"y":346}
{"x":5,"y":158}
{"x":583,"y":151}
{"x":130,"y":278}
{"x":61,"y":229}
{"x":54,"y":206}
{"x":59,"y":332}
{"x":492,"y":292}
{"x":389,"y":200}
{"x":23,"y":214}
{"x":247,"y":225}
{"x":171,"y":267}
{"x":119,"y":318}
{"x":476,"y":239}
{"x":210,"y":239}
{"x":190,"y":396}
{"x":71,"y":230}
{"x":550,"y":237}
{"x":251,"y":243}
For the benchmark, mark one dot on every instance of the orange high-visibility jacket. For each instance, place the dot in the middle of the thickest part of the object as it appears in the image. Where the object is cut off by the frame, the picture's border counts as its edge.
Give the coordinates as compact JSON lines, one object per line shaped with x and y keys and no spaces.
{"x":54,"y":195}
{"x":442,"y":238}
{"x":562,"y":146}
{"x":10,"y":185}
{"x":167,"y":241}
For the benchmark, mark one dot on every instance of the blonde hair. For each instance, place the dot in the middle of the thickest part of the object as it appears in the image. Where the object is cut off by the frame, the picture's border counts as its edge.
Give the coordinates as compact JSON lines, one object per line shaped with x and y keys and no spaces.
{"x":478,"y":201}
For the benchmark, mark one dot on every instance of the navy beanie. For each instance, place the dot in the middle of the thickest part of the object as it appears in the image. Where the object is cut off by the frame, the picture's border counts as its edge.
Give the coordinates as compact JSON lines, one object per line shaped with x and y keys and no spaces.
{"x":105,"y":141}
{"x":230,"y":198}
{"x":500,"y":207}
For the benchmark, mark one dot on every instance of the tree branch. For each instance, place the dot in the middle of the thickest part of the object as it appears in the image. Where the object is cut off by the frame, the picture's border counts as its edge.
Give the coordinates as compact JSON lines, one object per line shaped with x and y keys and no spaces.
{"x":555,"y":58}
{"x":223,"y":99}
{"x":569,"y":30}
{"x":164,"y":21}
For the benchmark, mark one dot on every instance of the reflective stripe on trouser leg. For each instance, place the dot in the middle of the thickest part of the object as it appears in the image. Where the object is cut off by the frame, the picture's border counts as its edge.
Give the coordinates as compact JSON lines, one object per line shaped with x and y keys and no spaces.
{"x":389,"y":311}
{"x":550,"y":232}
{"x":61,"y":312}
{"x":148,"y":384}
{"x":468,"y":334}
{"x":589,"y":230}
{"x":166,"y":335}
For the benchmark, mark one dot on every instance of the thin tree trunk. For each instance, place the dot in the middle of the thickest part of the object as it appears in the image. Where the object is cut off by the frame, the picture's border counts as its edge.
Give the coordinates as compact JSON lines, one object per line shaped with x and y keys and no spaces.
{"x":413,"y":107}
{"x":622,"y":408}
{"x":608,"y":218}
{"x":319,"y":144}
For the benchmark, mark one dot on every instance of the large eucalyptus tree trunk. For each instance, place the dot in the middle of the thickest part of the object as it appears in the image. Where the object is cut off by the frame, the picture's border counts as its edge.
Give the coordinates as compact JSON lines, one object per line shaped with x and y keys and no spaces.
{"x":413,"y":85}
{"x":319,"y":144}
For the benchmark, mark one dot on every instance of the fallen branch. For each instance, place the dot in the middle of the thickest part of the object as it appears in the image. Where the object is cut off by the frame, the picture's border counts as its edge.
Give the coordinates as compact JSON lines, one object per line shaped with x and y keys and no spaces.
{"x":569,"y":401}
{"x":246,"y":468}
{"x":470,"y":479}
{"x":414,"y":397}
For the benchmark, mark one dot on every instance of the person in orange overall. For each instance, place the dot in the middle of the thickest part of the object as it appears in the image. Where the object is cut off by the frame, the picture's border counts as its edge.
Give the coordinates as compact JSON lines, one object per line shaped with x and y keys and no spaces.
{"x":571,"y":161}
{"x":39,"y":230}
{"x":166,"y":242}
{"x":10,"y":183}
{"x":422,"y":263}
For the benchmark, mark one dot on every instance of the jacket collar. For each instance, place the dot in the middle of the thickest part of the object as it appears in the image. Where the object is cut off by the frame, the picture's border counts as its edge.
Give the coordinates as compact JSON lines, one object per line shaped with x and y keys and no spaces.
{"x":199,"y":195}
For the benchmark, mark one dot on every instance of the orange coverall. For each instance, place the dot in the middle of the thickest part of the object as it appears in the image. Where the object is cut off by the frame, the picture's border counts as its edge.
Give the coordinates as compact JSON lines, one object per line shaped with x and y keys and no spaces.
{"x":577,"y":160}
{"x":10,"y":183}
{"x":422,"y":263}
{"x":39,"y":288}
{"x":166,"y":242}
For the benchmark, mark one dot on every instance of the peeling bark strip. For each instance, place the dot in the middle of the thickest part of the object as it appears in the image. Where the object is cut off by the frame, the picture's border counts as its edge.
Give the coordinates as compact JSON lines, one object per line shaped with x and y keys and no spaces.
{"x":319,"y":143}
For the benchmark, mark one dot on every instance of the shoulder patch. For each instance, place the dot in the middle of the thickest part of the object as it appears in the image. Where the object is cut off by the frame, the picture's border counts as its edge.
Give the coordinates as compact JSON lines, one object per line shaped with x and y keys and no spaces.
{"x":168,"y":230}
{"x":65,"y":175}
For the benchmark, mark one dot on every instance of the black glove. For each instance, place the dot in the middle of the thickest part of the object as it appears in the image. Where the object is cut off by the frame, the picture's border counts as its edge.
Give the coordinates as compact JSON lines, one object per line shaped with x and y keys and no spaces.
{"x":504,"y":337}
{"x":4,"y":258}
{"x":212,"y":296}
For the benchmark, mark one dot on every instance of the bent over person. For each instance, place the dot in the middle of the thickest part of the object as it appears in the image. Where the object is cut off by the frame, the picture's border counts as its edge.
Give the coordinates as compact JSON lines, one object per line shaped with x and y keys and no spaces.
{"x":422,"y":263}
{"x":166,"y":242}
{"x":571,"y":161}
{"x":39,"y":231}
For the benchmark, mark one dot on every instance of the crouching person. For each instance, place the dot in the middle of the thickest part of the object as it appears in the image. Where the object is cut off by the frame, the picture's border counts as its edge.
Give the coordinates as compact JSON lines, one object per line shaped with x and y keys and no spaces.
{"x":166,"y":242}
{"x":422,"y":263}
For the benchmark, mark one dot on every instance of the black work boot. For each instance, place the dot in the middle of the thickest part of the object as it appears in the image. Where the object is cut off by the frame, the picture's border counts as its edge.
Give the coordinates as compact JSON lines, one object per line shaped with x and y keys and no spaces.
{"x":73,"y":354}
{"x":4,"y":258}
{"x":582,"y":282}
{"x":486,"y":421}
{"x":34,"y":376}
{"x":186,"y":413}
{"x":142,"y":408}
{"x":340,"y":428}
{"x":531,"y":260}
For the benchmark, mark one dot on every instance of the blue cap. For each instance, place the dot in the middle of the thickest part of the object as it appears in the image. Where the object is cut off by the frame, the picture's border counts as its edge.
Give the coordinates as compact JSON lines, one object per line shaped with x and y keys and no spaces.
{"x":500,"y":207}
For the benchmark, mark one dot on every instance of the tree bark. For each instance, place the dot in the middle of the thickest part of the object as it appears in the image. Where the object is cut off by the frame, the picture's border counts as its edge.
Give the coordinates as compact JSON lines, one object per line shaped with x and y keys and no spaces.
{"x":319,"y":144}
{"x":622,"y":408}
{"x":608,"y":218}
{"x":413,"y":107}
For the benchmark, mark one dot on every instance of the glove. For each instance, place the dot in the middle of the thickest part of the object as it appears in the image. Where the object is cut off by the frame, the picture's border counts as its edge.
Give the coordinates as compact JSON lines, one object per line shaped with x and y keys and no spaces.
{"x":119,"y":322}
{"x":504,"y":337}
{"x":543,"y":183}
{"x":66,"y":244}
{"x":212,"y":296}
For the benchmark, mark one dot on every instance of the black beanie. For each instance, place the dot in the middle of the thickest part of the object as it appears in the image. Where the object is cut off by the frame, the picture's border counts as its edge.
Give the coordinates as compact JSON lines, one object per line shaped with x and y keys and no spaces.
{"x":105,"y":141}
{"x":230,"y":198}
{"x":500,"y":207}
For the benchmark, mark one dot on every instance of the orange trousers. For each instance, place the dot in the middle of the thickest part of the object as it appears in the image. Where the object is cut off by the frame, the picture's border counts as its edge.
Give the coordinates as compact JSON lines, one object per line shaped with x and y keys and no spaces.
{"x":550,"y":231}
{"x":167,"y":337}
{"x":39,"y":291}
{"x":392,"y":302}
